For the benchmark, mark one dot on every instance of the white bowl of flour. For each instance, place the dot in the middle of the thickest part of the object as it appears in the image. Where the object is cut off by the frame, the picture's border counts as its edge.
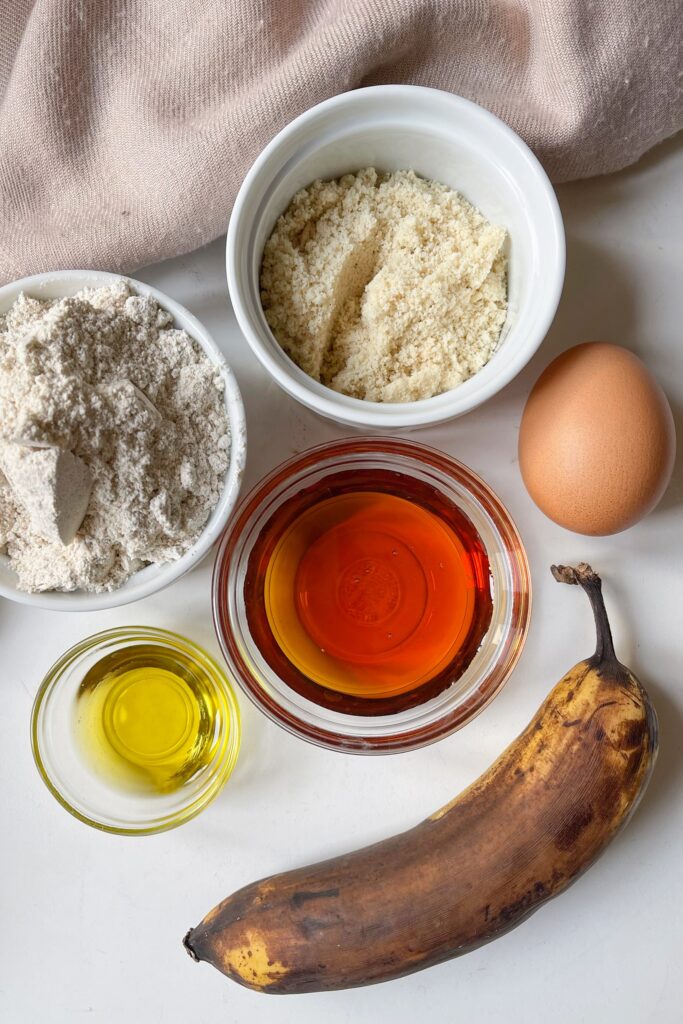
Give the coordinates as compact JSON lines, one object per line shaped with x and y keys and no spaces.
{"x":444,"y":139}
{"x":141,"y":421}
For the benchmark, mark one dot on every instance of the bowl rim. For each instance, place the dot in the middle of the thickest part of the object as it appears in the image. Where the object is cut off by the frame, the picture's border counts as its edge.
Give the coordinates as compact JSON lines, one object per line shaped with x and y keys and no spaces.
{"x":231,"y":642}
{"x":163,"y":575}
{"x":221,"y":677}
{"x":439,"y":408}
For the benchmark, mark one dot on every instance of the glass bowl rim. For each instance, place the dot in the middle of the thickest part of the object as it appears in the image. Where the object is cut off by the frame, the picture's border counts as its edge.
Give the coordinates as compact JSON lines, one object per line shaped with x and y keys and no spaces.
{"x":513,"y":553}
{"x":220,"y":677}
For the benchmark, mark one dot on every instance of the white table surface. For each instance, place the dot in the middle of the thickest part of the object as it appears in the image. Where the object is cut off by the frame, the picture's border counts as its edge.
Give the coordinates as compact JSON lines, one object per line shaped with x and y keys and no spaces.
{"x":92,"y":924}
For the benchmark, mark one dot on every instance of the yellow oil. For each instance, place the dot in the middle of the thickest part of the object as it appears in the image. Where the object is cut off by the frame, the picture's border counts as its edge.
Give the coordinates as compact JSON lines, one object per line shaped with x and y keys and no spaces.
{"x":146,"y":718}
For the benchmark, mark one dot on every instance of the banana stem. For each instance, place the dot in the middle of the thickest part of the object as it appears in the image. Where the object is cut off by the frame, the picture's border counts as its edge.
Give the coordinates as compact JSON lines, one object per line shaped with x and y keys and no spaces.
{"x":591,"y":583}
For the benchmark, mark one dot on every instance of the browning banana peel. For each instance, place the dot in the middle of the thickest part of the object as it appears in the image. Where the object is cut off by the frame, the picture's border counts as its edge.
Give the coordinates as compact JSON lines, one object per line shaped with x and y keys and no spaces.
{"x":526,"y":829}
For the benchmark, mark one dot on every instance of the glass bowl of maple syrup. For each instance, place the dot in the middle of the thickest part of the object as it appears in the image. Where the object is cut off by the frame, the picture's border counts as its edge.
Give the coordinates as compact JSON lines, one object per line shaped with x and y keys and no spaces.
{"x":371,"y":595}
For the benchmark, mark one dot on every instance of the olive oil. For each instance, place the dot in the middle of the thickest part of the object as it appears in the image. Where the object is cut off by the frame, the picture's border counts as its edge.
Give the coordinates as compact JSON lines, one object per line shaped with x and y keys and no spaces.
{"x":145,"y":718}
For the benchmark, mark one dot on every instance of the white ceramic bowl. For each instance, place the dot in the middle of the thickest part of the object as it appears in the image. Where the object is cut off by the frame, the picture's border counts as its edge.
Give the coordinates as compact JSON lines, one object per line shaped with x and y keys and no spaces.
{"x":439,"y":136}
{"x":152,"y":578}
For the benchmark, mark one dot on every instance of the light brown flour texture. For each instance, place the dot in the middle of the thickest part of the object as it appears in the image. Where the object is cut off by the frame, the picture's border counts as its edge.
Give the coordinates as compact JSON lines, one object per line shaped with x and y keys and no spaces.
{"x":386,"y":287}
{"x":106,"y":376}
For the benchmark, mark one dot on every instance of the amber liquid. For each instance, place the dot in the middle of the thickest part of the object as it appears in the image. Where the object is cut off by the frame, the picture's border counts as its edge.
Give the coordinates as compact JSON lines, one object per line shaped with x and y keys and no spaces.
{"x":370,"y":594}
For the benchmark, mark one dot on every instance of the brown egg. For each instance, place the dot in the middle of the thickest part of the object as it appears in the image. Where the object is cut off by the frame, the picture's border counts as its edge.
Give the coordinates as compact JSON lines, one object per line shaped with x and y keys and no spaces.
{"x":597,"y":441}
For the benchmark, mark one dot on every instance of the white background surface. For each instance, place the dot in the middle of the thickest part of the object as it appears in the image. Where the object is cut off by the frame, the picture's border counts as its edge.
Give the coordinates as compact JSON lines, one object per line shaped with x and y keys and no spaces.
{"x":92,"y":924}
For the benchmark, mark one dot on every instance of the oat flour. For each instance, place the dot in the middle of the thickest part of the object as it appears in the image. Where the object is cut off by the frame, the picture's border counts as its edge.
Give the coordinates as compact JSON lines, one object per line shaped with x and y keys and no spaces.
{"x":107,"y":377}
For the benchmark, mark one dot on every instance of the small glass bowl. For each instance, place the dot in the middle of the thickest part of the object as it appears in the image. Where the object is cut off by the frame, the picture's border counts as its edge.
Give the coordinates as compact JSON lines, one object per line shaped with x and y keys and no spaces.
{"x":66,"y":771}
{"x":460,"y":700}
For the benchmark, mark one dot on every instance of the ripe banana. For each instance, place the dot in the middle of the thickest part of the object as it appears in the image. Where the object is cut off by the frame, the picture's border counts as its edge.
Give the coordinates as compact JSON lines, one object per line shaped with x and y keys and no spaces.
{"x":519,"y":835}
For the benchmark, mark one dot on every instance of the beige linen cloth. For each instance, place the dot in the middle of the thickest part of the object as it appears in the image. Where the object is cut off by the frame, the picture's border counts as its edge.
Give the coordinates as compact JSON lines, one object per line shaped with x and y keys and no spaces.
{"x":126,"y":126}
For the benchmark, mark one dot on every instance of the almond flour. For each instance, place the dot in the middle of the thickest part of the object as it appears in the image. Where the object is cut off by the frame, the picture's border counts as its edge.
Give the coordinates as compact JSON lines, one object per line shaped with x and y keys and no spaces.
{"x":386,"y":287}
{"x":139,"y":407}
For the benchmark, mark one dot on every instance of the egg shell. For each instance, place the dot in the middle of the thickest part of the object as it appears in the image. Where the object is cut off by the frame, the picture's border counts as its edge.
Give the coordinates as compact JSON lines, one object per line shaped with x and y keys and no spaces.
{"x":597,"y":441}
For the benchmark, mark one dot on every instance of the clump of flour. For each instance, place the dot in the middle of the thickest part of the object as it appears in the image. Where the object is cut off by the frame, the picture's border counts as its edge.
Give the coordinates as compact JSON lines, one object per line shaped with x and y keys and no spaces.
{"x":106,"y":376}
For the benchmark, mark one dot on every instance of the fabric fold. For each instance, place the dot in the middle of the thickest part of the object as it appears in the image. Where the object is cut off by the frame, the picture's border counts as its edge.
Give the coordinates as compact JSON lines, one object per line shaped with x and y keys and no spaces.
{"x":126,"y":126}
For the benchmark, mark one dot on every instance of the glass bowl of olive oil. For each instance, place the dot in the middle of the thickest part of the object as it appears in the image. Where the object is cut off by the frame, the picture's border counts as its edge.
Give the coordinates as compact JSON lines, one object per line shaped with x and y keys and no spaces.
{"x":135,"y":730}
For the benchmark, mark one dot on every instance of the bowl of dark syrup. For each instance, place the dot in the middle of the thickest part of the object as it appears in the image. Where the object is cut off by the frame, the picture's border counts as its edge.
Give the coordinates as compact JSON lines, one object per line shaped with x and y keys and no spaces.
{"x":371,"y":595}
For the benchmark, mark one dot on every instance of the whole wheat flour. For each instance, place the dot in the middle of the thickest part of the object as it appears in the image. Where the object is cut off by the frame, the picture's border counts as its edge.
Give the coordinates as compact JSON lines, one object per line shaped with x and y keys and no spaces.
{"x":106,"y":377}
{"x":386,"y":287}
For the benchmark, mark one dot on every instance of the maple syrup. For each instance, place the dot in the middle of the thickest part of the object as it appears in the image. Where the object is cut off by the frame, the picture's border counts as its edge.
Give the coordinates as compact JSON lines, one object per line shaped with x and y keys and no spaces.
{"x":370,"y":593}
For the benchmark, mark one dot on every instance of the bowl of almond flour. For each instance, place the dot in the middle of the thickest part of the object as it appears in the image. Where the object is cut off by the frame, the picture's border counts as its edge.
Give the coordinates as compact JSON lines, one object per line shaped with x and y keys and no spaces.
{"x":122,"y":441}
{"x":395,"y":257}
